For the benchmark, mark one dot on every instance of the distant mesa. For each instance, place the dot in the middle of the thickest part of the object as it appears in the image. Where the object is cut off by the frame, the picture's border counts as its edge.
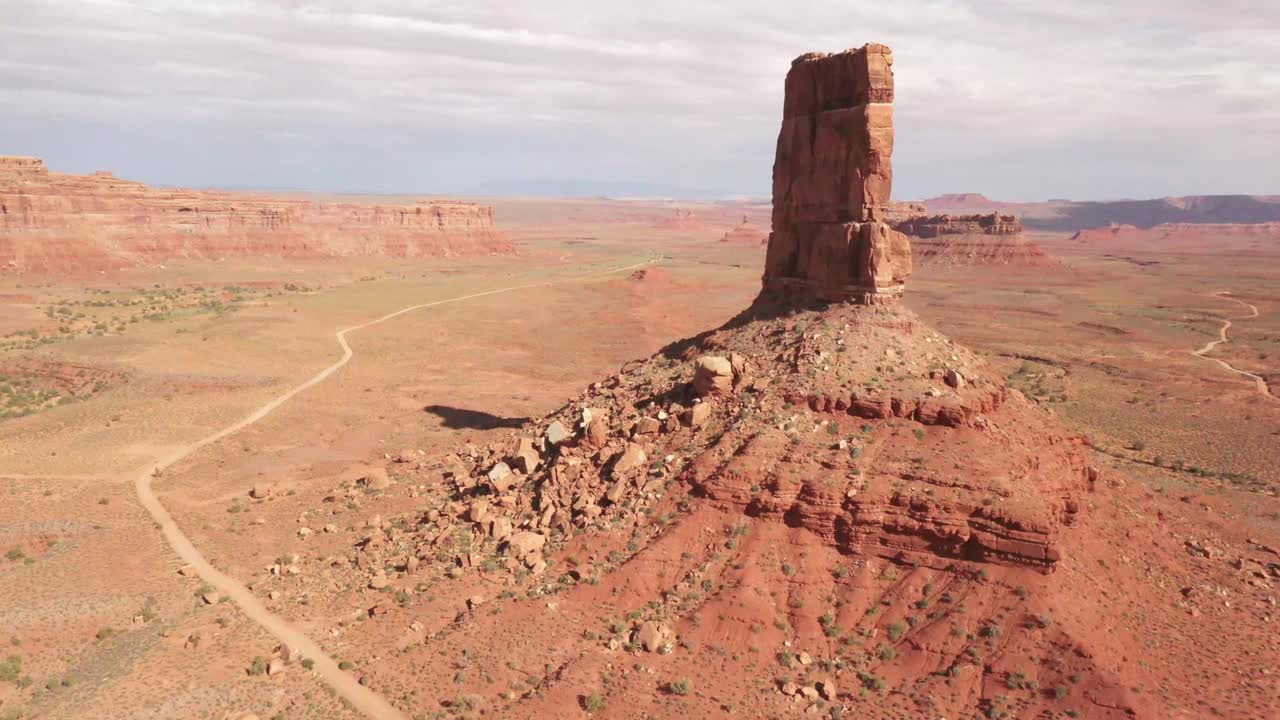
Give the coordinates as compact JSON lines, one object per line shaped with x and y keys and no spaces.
{"x":1067,"y":215}
{"x":979,"y":224}
{"x":981,"y":239}
{"x":1185,"y":210}
{"x":59,"y":223}
{"x":951,"y":199}
{"x":1183,"y":237}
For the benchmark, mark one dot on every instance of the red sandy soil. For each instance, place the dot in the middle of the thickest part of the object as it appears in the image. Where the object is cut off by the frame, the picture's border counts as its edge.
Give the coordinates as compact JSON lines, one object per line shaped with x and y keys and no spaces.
{"x":746,"y":234}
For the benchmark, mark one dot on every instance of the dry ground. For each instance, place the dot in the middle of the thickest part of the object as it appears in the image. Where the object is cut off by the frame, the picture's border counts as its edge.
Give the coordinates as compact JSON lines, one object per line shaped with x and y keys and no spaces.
{"x":103,"y":624}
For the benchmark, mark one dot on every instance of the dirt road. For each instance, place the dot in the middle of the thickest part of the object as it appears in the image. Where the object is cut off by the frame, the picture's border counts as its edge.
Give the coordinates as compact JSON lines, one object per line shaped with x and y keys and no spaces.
{"x":1222,"y":338}
{"x":361,"y":697}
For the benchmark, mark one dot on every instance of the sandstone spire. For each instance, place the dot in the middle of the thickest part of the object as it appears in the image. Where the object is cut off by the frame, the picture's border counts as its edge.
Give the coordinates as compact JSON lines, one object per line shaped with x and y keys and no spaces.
{"x":831,"y":182}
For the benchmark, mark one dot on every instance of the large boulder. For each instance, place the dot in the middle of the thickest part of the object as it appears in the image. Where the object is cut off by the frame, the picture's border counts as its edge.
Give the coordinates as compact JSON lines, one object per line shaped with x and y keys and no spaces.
{"x":654,"y":636}
{"x":631,"y":458}
{"x":525,"y":543}
{"x":713,"y":375}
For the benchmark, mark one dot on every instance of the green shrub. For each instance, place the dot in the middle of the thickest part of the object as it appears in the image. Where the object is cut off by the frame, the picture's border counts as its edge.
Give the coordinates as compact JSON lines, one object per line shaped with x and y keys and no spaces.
{"x":593,"y":703}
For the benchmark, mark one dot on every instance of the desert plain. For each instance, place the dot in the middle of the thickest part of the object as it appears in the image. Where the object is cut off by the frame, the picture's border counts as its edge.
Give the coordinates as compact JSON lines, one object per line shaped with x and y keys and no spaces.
{"x":298,"y":480}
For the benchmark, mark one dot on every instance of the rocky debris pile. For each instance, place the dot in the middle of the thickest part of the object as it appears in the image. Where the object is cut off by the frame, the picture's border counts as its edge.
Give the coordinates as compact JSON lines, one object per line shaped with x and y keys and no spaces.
{"x":855,"y":422}
{"x":54,"y":222}
{"x":831,"y":182}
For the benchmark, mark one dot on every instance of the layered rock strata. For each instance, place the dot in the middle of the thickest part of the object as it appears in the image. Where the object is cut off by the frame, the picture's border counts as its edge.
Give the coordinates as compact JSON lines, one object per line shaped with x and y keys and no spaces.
{"x":53,"y":222}
{"x":832,"y":178}
{"x":982,"y":224}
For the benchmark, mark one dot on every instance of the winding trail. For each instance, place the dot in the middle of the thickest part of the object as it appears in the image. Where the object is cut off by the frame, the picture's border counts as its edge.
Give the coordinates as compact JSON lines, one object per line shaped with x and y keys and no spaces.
{"x":1258,"y":380}
{"x":361,"y":697}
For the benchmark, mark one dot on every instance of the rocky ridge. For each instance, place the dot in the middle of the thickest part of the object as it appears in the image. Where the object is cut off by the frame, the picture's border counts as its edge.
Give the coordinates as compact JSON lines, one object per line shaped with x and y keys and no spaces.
{"x":54,"y":222}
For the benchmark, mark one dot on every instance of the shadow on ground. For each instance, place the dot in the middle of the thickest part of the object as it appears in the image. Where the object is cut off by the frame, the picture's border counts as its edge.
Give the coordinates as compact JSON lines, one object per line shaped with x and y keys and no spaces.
{"x":462,"y":418}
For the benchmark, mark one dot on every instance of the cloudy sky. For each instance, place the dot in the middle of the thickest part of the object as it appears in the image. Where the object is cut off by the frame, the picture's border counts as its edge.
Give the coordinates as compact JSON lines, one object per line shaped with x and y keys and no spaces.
{"x":1019,"y":99}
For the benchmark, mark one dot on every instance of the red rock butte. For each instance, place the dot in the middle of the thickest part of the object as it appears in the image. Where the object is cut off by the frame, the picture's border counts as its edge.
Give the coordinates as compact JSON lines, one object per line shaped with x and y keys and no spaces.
{"x":832,"y":178}
{"x":54,"y":222}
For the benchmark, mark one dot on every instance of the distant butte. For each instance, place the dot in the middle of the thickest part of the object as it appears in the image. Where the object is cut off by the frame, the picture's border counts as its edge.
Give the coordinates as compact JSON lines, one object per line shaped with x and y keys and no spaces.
{"x":58,"y":223}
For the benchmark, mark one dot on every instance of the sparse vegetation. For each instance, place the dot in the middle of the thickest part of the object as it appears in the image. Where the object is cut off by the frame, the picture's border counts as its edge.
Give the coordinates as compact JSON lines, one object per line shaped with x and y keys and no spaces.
{"x":679,"y":687}
{"x":258,"y":666}
{"x":593,"y":703}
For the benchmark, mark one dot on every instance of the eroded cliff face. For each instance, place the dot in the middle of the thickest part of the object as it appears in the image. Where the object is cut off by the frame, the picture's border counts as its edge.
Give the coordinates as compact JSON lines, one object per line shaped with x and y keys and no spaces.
{"x":832,"y":178}
{"x":979,"y":239}
{"x":53,"y":223}
{"x":935,"y":225}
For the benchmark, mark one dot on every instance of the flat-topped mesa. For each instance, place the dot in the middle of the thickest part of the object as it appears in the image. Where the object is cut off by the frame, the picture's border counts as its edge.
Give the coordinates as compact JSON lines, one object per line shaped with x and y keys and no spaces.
{"x":993,"y":223}
{"x":53,"y":222}
{"x":832,"y":178}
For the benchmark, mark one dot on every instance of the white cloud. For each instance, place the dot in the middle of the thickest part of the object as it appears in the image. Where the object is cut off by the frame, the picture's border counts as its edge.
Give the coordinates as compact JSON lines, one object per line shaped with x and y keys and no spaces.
{"x":1011,"y":97}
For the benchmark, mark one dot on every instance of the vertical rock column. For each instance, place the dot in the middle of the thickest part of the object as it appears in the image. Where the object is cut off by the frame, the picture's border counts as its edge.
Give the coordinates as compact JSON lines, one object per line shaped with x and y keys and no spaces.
{"x":832,"y":177}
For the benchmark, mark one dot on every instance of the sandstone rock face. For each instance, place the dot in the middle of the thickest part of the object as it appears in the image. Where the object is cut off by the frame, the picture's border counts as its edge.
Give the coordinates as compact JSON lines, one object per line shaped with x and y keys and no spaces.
{"x":52,"y":222}
{"x":832,"y":177}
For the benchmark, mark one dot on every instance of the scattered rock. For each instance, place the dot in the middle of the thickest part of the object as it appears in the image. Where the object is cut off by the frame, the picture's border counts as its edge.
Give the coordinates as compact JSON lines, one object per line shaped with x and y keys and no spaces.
{"x":632,"y":457}
{"x":376,"y":479}
{"x":524,"y":544}
{"x":499,"y":472}
{"x":696,"y":416}
{"x":713,"y":375}
{"x":654,"y":636}
{"x":556,"y":433}
{"x":526,"y":457}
